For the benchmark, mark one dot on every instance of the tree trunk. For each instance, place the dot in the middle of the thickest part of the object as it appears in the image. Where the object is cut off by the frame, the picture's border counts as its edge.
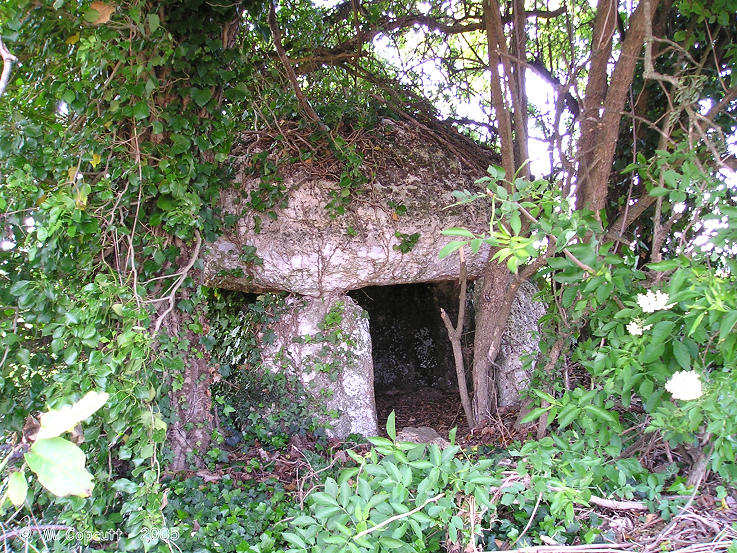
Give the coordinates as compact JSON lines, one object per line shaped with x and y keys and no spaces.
{"x":192,"y":420}
{"x":594,"y":171}
{"x":492,"y":311}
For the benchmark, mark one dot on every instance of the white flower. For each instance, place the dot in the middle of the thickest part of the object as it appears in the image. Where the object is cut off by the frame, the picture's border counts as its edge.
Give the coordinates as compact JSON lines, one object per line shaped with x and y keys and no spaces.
{"x":653,"y":301}
{"x":636,"y":328}
{"x":685,"y":385}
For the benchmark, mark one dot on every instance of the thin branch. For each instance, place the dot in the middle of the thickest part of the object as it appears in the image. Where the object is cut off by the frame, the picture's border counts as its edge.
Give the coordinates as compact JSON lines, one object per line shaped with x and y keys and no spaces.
{"x":301,"y":98}
{"x":179,"y":282}
{"x":454,"y":334}
{"x":398,"y":517}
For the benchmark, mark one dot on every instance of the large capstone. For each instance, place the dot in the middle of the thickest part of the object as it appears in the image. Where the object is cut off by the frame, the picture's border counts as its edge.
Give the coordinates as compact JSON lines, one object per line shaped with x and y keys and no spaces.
{"x":325,"y":343}
{"x":389,"y":233}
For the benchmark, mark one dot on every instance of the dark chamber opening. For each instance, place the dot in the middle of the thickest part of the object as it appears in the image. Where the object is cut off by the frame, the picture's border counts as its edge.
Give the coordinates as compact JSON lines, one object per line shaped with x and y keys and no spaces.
{"x":414,"y":370}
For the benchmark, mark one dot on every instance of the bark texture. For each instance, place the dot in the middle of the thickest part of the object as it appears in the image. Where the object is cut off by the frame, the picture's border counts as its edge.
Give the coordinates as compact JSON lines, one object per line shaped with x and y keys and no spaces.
{"x":492,"y":312}
{"x":192,"y":420}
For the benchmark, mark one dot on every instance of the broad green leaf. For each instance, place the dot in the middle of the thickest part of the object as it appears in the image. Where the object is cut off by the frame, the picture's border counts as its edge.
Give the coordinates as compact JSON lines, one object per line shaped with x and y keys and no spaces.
{"x":450,"y":247}
{"x":391,"y":543}
{"x":200,"y":96}
{"x":17,"y":488}
{"x":682,"y":355}
{"x":476,"y":245}
{"x":140,"y":110}
{"x":515,"y":222}
{"x":153,"y":22}
{"x":728,"y":322}
{"x":601,"y":413}
{"x":295,"y":540}
{"x":391,"y":429}
{"x":321,"y":498}
{"x":662,"y":332}
{"x":659,"y":191}
{"x":534,"y":415}
{"x":456,"y":231}
{"x":59,"y":466}
{"x":667,"y":265}
{"x":57,"y":421}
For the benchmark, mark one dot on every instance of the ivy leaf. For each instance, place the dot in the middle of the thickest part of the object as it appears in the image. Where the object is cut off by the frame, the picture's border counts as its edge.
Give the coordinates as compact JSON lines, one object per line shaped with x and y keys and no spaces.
{"x":200,"y":96}
{"x":140,"y":110}
{"x":17,"y":488}
{"x":59,"y":466}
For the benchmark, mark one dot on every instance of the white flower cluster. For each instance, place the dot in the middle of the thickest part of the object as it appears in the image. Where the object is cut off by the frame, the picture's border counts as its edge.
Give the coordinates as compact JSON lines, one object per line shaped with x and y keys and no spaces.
{"x":685,"y":385}
{"x":650,"y":302}
{"x":636,"y":328}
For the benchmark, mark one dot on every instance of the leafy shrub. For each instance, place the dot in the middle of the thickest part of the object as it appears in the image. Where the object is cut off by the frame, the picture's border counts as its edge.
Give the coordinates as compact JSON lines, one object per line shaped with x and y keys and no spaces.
{"x":410,"y":497}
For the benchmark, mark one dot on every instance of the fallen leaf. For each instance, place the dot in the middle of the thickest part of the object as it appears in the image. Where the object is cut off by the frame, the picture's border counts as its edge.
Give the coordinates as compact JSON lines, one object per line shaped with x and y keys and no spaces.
{"x":99,"y":13}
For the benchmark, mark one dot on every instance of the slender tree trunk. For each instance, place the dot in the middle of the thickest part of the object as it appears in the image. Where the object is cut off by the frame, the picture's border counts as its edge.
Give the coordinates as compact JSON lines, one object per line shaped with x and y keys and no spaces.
{"x":594,"y":171}
{"x":492,"y":312}
{"x":494,"y":36}
{"x":455,"y":334}
{"x":192,"y":420}
{"x":519,"y":49}
{"x":605,"y":24}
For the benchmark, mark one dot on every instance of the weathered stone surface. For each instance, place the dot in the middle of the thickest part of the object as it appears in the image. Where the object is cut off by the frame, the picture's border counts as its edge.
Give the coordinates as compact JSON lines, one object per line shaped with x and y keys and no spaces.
{"x":389,"y":234}
{"x":421,"y":435}
{"x":307,"y":251}
{"x":520,"y":342}
{"x":325,"y":343}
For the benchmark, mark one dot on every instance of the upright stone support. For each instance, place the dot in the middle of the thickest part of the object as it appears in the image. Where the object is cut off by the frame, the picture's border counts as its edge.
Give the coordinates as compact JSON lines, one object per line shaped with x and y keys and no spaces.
{"x":325,"y":343}
{"x":519,"y":344}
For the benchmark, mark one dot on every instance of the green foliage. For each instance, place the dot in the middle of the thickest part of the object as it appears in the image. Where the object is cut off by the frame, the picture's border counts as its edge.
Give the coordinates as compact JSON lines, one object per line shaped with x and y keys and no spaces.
{"x":637,"y":340}
{"x":228,"y":515}
{"x":403,"y":496}
{"x":255,"y":403}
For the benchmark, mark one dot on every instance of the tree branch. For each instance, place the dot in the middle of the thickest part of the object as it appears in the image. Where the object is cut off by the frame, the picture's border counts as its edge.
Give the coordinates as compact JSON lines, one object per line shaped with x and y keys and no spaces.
{"x":599,"y":166}
{"x":303,"y":102}
{"x":398,"y":517}
{"x":454,"y":334}
{"x":182,"y":276}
